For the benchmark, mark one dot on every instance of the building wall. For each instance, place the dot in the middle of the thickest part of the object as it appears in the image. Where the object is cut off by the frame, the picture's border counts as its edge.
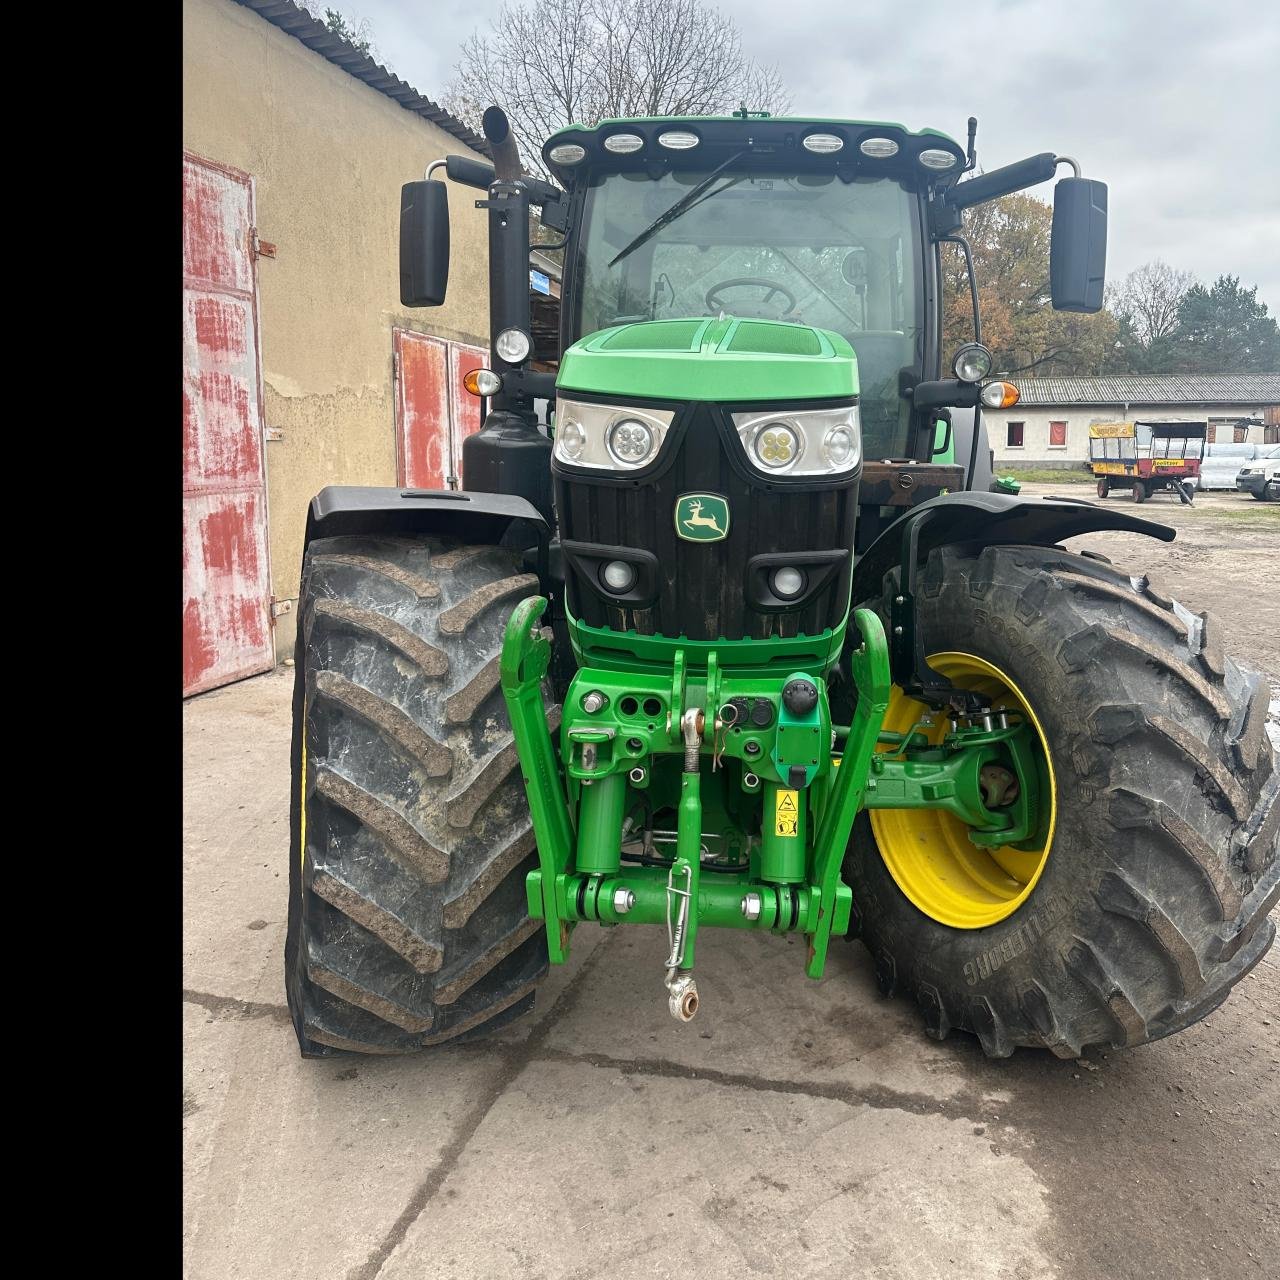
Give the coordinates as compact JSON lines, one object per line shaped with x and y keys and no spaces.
{"x":1037,"y":451}
{"x":329,"y":155}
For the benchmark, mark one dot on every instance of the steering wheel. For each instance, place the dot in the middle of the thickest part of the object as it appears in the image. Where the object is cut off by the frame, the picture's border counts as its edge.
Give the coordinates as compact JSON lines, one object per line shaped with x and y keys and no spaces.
{"x":716,"y":304}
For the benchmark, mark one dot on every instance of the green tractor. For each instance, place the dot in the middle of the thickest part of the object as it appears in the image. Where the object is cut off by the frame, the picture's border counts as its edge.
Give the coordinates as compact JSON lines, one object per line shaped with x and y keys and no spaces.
{"x":727,"y":629}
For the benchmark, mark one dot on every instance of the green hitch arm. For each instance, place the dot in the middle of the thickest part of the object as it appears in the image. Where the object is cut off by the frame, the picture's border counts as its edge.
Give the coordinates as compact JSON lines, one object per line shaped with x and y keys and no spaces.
{"x":526,"y":655}
{"x":870,"y":662}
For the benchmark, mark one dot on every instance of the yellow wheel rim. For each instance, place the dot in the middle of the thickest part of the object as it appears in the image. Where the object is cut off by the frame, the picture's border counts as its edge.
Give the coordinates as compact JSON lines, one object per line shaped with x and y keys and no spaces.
{"x":928,"y":852}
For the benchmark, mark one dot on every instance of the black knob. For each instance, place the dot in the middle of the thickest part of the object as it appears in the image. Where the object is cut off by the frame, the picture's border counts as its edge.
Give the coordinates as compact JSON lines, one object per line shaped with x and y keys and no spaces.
{"x":762,"y":713}
{"x":800,"y":696}
{"x":741,"y":708}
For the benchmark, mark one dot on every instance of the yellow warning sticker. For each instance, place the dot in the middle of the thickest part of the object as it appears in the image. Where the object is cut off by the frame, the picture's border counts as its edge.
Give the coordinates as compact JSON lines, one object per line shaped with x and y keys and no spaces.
{"x":786,"y":813}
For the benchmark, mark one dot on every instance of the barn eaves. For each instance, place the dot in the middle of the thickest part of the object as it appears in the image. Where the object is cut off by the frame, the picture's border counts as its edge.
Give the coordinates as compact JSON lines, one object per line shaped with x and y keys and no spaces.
{"x":316,"y":36}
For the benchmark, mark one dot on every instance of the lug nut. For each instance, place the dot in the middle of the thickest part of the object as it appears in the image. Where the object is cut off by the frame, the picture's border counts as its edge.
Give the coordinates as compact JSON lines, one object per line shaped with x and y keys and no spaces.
{"x":752,"y":905}
{"x":636,"y":775}
{"x":750,"y":780}
{"x":593,"y":702}
{"x":623,"y":900}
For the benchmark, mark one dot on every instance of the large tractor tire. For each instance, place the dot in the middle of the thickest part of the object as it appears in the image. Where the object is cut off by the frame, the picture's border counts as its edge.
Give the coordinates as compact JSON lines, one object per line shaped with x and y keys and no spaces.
{"x":408,"y":924}
{"x":1145,"y":897}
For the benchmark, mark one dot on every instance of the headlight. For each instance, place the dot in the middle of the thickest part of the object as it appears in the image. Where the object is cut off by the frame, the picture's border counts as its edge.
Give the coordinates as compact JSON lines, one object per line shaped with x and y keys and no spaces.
{"x":608,"y":436}
{"x":630,"y":442}
{"x":818,"y":442}
{"x":776,"y":446}
{"x":972,"y":362}
{"x":512,"y":345}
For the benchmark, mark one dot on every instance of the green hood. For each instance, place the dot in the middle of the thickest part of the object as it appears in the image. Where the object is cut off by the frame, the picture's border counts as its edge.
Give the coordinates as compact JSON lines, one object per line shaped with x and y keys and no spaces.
{"x":717,"y":360}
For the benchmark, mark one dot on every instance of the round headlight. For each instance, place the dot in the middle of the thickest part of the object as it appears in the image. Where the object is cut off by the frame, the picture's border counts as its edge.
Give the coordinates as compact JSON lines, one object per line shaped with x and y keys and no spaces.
{"x":630,"y":442}
{"x":512,"y":345}
{"x":567,"y":153}
{"x":972,"y":362}
{"x":618,"y":576}
{"x":840,"y":447}
{"x":878,"y":148}
{"x":571,"y":439}
{"x":678,"y":139}
{"x":936,"y":158}
{"x":623,"y":144}
{"x":776,"y":446}
{"x":823,"y":144}
{"x":787,"y":582}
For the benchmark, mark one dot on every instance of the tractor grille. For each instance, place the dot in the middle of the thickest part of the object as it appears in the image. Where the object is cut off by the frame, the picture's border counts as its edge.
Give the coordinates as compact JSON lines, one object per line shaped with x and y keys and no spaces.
{"x":702,"y":586}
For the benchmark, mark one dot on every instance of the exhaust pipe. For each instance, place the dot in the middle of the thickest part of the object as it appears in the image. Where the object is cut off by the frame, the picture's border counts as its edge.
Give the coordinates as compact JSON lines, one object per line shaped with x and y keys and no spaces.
{"x":502,"y":145}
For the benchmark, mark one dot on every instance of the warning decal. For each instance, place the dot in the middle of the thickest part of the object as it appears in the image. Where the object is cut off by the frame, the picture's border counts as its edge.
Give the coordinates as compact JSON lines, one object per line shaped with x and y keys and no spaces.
{"x":786,"y":813}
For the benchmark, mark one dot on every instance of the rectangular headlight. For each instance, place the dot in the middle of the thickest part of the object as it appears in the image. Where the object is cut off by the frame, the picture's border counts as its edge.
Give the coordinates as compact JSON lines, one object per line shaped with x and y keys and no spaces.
{"x":813,"y":442}
{"x":609,"y":437}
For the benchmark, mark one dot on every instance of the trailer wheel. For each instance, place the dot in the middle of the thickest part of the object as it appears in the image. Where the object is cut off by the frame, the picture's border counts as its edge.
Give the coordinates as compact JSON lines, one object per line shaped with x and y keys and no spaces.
{"x":1148,"y":898}
{"x":1104,"y":487}
{"x":411,"y":834}
{"x":1139,"y":491}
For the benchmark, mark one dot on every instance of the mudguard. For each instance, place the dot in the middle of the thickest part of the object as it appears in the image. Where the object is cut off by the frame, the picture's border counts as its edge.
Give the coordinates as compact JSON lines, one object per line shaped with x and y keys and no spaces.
{"x":474,"y":517}
{"x":988,"y":519}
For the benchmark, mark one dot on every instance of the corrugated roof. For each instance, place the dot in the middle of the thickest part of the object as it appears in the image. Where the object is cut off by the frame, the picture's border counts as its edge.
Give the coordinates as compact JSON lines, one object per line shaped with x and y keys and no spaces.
{"x":316,"y":36}
{"x":1121,"y":389}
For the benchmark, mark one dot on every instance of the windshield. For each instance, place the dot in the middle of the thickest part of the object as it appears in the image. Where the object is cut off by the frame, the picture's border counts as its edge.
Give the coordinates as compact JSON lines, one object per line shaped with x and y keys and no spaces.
{"x":799,"y":247}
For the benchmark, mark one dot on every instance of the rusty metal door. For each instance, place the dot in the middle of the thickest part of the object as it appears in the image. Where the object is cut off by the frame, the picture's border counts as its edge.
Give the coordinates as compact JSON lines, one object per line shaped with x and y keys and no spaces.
{"x":464,"y":408}
{"x":226,"y":614}
{"x":434,"y":411}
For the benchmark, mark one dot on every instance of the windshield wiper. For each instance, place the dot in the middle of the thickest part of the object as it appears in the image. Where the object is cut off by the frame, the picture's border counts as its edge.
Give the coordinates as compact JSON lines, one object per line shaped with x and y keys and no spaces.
{"x":682,"y":205}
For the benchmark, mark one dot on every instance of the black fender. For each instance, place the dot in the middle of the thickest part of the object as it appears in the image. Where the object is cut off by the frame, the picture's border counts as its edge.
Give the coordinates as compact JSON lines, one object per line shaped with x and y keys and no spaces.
{"x":474,"y":517}
{"x":989,"y":519}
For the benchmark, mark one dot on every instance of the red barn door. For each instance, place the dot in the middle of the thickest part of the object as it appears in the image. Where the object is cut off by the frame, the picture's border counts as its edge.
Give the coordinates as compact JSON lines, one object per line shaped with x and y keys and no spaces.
{"x":434,"y":411}
{"x":226,"y":614}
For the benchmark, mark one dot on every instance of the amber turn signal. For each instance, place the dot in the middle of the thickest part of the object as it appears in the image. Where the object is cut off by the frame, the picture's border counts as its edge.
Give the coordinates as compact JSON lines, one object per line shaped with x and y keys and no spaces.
{"x":482,"y":382}
{"x":1000,"y":395}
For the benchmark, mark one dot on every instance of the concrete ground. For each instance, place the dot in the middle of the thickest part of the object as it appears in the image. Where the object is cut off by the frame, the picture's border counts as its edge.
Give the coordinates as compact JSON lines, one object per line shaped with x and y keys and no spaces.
{"x":796,"y":1129}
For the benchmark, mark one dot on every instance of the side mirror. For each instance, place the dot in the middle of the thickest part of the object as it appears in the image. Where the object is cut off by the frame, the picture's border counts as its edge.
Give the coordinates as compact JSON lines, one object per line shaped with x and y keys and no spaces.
{"x":424,"y":243}
{"x":1078,"y":245}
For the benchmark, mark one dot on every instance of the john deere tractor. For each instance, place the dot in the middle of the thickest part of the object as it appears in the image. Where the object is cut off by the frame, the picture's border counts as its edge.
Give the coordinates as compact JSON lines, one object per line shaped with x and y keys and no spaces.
{"x":725,"y":629}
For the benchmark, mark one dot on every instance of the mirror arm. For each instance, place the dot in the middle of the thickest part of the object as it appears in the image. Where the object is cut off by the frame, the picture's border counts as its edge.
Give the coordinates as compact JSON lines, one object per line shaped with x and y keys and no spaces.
{"x":973,"y":280}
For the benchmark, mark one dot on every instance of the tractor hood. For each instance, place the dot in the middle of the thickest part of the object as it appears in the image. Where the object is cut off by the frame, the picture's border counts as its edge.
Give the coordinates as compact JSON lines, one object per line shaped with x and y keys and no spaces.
{"x":723,"y":360}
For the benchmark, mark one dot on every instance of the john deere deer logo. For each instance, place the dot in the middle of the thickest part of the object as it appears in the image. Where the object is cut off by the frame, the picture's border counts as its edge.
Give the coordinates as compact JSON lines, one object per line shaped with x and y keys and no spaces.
{"x":702,"y":517}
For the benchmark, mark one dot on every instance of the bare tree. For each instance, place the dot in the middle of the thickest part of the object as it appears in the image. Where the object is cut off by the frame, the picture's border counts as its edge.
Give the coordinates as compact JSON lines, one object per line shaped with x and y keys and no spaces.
{"x":1147,"y":301}
{"x":550,"y":63}
{"x":357,"y":32}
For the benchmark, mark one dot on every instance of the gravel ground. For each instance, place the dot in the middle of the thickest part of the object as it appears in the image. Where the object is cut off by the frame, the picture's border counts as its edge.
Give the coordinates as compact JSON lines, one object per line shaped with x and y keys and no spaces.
{"x":796,"y":1128}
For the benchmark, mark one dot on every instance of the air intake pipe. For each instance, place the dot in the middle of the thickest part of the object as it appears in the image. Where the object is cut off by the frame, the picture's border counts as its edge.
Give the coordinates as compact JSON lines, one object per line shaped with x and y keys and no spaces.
{"x":502,"y":145}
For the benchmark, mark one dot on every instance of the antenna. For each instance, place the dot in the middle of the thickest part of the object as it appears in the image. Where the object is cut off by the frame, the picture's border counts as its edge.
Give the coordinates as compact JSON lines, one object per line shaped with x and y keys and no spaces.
{"x":971,"y":152}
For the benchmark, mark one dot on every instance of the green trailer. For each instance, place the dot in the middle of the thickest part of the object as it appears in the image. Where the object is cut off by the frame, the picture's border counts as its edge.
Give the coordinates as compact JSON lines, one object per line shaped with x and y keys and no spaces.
{"x":723,"y":638}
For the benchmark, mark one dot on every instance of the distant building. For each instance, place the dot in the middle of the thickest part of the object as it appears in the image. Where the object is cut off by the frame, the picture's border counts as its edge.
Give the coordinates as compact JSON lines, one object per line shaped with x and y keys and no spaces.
{"x":1049,"y":426}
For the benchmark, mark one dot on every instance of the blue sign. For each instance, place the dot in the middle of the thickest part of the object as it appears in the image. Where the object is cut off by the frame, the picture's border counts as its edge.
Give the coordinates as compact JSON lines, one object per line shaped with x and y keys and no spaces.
{"x":539,"y":282}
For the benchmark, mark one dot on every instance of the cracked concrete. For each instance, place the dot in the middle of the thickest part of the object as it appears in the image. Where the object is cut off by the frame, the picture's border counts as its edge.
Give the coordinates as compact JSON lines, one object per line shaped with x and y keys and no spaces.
{"x":796,"y":1128}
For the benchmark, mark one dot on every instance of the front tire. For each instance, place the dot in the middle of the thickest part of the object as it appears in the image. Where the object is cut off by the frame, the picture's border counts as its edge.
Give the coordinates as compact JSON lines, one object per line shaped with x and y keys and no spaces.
{"x":408,"y":923}
{"x":1104,"y":488}
{"x":1139,"y":491}
{"x":1153,"y":897}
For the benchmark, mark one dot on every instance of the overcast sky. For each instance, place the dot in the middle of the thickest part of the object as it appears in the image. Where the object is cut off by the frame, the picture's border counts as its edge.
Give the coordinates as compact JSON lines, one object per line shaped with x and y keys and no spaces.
{"x":1175,"y":104}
